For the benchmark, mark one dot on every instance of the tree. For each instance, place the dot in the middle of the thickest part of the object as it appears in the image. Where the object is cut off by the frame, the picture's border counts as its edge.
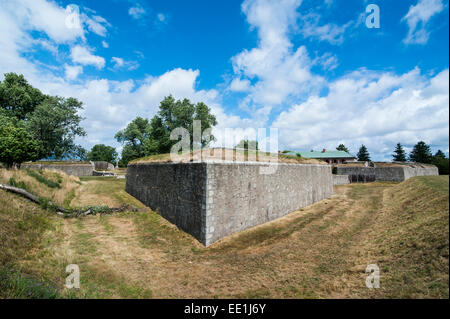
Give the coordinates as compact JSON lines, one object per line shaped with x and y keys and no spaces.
{"x":101,"y":152}
{"x":421,"y":153}
{"x":80,"y":153}
{"x":439,"y":154}
{"x":17,"y":145}
{"x":141,"y":138}
{"x":400,"y":154}
{"x":441,"y":162}
{"x":342,"y":147}
{"x":174,"y":114}
{"x":246,"y":144}
{"x":134,"y":136}
{"x":52,"y":121}
{"x":19,"y":97}
{"x":55,"y":123}
{"x":363,"y":155}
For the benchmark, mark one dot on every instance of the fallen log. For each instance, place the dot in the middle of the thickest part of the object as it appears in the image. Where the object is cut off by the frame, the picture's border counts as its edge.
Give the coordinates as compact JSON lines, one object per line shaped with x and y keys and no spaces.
{"x":65,"y":212}
{"x":30,"y":196}
{"x":20,"y":191}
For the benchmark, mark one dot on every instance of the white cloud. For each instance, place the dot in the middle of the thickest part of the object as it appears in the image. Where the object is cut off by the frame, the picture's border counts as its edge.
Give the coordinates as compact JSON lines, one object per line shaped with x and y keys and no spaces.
{"x":96,"y":24}
{"x":281,"y":71}
{"x":47,"y":17}
{"x":121,"y":63}
{"x":330,"y":32}
{"x":105,"y":44}
{"x":137,"y":12}
{"x":72,"y":72}
{"x":118,"y":62}
{"x":377,"y":109}
{"x":161,"y":17}
{"x":238,"y":85}
{"x":327,"y":61}
{"x":83,"y":55}
{"x":417,"y":19}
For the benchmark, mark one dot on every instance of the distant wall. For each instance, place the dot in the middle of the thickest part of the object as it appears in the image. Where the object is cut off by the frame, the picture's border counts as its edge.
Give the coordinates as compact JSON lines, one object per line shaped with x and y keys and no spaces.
{"x":102,"y":166}
{"x":421,"y":171}
{"x":211,"y":200}
{"x":357,"y":174}
{"x":76,"y":169}
{"x":387,"y":173}
{"x":340,"y":180}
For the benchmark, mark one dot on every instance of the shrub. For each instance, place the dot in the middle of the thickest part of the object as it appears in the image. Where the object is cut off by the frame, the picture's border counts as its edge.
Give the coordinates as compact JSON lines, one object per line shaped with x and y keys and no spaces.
{"x":19,"y":184}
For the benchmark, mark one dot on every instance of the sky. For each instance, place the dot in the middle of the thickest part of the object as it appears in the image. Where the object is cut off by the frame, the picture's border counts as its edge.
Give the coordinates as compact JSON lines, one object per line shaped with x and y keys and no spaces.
{"x":313,"y":69}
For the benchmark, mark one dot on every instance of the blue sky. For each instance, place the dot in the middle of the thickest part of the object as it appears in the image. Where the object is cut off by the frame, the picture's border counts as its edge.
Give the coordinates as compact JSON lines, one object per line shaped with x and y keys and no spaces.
{"x":310,"y":68}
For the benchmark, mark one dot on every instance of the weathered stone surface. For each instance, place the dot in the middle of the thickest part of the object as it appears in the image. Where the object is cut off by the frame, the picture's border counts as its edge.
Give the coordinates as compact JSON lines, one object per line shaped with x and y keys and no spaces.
{"x":211,"y":200}
{"x":340,"y":180}
{"x":176,"y":190}
{"x":395,"y":173}
{"x":102,"y":166}
{"x":76,"y":169}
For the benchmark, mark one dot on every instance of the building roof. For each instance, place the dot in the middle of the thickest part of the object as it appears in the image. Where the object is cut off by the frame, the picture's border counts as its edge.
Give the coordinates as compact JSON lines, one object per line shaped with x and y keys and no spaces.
{"x":326,"y":154}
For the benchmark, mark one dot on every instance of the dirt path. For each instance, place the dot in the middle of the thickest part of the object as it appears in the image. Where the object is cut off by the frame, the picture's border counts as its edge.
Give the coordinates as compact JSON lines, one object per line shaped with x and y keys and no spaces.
{"x":311,"y":253}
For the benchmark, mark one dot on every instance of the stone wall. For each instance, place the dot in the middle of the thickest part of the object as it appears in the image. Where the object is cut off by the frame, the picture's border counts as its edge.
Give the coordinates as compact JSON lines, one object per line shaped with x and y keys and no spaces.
{"x":102,"y":166}
{"x":76,"y":169}
{"x":211,"y":200}
{"x":176,"y":190}
{"x":340,"y":180}
{"x":357,"y":174}
{"x":395,"y":173}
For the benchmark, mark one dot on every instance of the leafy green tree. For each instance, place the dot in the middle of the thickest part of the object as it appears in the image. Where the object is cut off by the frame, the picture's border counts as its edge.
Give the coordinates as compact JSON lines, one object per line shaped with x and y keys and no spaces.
{"x":19,"y":97}
{"x":17,"y":145}
{"x":421,"y":153}
{"x":52,"y":121}
{"x":399,"y":153}
{"x":55,"y":123}
{"x":134,"y":137}
{"x":102,"y":152}
{"x":342,"y":147}
{"x":174,"y":114}
{"x":246,"y":144}
{"x":141,"y":138}
{"x":363,"y":154}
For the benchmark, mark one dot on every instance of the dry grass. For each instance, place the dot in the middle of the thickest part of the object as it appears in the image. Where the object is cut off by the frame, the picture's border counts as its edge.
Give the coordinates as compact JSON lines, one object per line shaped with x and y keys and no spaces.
{"x":58,"y":195}
{"x":318,"y":252}
{"x":108,"y":191}
{"x":229,"y":155}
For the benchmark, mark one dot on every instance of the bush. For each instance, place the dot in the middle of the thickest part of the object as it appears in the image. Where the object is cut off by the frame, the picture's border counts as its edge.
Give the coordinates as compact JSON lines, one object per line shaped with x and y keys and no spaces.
{"x":19,"y":184}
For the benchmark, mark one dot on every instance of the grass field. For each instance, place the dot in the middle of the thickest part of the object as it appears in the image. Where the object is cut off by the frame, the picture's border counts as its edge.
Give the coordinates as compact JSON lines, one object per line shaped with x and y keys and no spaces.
{"x":318,"y":252}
